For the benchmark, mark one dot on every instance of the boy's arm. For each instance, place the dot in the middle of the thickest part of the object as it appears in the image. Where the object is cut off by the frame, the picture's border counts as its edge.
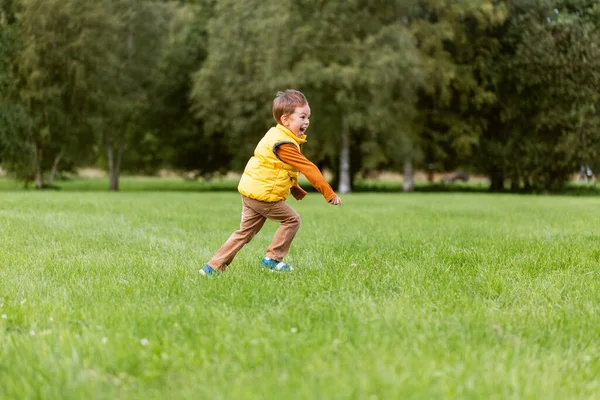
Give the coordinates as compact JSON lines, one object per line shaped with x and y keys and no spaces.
{"x":289,"y":154}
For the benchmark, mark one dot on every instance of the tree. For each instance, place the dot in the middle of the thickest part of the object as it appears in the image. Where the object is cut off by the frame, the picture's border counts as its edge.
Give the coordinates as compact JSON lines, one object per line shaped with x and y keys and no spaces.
{"x":559,"y":61}
{"x":232,"y":90}
{"x":457,"y":41}
{"x":127,"y":47}
{"x":338,"y":51}
{"x":15,"y":153}
{"x":47,"y":82}
{"x":360,"y":64}
{"x":546,"y":122}
{"x":179,"y":138}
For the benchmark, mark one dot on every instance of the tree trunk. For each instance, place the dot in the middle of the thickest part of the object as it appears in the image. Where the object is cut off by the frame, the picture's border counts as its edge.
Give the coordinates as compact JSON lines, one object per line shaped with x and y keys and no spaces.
{"x":515,"y":184}
{"x":496,"y":181}
{"x":430,"y":173}
{"x":527,"y":186}
{"x":112,"y":173}
{"x":129,"y":46}
{"x":118,"y":163}
{"x":39,"y":182}
{"x":345,"y":185}
{"x":54,"y":169}
{"x":408,"y":185}
{"x":114,"y":165}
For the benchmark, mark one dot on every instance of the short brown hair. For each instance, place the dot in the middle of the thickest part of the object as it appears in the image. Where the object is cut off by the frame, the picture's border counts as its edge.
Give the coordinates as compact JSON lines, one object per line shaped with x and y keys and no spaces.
{"x":286,"y":103}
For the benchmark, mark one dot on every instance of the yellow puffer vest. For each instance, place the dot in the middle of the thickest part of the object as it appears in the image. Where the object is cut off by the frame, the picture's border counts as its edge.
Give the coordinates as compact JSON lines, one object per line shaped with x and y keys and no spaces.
{"x":266,"y":177}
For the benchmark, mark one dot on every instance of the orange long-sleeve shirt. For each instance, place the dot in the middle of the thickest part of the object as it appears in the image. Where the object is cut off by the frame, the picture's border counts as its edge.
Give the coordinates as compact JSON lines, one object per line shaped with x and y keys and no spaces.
{"x":289,"y":154}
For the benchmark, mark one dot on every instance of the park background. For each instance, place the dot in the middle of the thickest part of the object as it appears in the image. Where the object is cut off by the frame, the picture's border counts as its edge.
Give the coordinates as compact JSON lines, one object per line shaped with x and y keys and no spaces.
{"x":505,"y":90}
{"x":138,"y":117}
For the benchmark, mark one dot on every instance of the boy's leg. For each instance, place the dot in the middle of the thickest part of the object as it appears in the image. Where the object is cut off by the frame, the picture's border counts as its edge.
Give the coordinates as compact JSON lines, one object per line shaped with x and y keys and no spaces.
{"x":290,"y":223}
{"x":252,"y":222}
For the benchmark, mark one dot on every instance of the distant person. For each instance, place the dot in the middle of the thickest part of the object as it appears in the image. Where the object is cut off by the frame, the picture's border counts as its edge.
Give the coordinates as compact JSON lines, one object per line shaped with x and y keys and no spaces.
{"x":590,"y":175}
{"x":270,"y":175}
{"x":586,"y":173}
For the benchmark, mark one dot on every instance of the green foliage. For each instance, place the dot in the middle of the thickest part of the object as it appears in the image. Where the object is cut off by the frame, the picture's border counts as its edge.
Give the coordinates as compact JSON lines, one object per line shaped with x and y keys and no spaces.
{"x":356,"y":64}
{"x":361,"y":67}
{"x":182,"y":141}
{"x":545,"y":124}
{"x":231,"y":92}
{"x":83,"y":72}
{"x":121,"y":81}
{"x":505,"y":88}
{"x":457,"y":41}
{"x":561,"y":70}
{"x":16,"y":153}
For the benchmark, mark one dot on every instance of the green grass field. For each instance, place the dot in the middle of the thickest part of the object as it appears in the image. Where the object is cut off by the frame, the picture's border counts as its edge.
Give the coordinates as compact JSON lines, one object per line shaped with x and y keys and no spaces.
{"x":394,"y":296}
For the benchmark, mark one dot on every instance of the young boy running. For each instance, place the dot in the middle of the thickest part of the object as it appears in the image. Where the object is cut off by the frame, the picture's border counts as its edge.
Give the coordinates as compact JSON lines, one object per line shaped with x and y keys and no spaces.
{"x":270,"y":175}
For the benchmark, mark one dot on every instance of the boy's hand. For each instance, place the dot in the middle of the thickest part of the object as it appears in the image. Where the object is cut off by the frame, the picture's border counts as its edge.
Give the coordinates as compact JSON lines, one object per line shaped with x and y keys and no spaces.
{"x":298,"y":192}
{"x":299,"y":196}
{"x":336,"y":201}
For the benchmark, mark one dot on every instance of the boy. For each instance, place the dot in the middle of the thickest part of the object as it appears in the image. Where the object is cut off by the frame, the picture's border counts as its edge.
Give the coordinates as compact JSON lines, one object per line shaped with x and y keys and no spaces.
{"x":270,"y":175}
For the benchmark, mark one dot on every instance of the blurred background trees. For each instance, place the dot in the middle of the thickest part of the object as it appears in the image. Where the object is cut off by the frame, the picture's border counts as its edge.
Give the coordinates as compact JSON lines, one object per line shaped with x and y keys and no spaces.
{"x":504,"y":88}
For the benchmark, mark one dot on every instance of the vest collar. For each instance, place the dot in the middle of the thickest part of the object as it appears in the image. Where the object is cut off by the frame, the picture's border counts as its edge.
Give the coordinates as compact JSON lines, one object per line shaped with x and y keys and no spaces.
{"x":289,"y":133}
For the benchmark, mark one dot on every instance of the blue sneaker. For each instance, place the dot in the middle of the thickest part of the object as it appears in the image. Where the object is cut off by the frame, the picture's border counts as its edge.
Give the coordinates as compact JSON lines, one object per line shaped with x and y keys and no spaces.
{"x":276,"y":266}
{"x":207,"y":270}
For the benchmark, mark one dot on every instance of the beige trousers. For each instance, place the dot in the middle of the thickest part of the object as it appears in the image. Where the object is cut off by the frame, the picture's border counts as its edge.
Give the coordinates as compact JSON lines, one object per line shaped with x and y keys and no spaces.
{"x":254,"y":215}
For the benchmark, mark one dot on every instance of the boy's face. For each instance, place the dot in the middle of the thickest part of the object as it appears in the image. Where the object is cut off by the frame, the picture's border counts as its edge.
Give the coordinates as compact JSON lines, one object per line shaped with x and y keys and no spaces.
{"x":298,"y":121}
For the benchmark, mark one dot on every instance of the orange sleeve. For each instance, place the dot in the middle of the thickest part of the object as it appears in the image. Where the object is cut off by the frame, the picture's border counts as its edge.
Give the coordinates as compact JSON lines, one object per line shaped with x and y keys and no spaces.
{"x":289,"y":154}
{"x":298,"y":192}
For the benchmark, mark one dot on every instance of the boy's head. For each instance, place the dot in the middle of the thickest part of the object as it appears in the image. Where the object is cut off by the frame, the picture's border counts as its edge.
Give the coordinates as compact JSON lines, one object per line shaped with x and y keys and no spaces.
{"x":290,"y":109}
{"x":285,"y":103}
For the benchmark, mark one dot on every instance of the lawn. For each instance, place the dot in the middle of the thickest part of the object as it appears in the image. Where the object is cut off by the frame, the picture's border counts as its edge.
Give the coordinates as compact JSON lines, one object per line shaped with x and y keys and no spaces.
{"x":393,"y":296}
